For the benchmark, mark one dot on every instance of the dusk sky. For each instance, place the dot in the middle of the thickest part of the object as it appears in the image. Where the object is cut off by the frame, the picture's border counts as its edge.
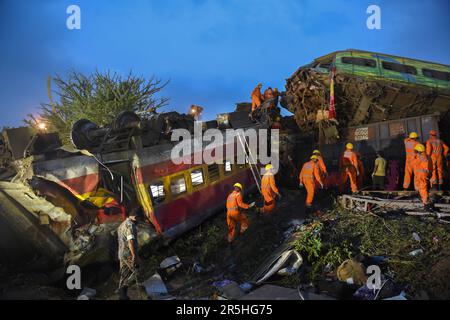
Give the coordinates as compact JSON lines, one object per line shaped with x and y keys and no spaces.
{"x":213,"y":52}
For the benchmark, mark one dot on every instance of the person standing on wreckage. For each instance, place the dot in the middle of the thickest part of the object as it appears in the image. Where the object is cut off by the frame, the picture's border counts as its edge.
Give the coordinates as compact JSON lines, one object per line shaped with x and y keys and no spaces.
{"x":128,"y":254}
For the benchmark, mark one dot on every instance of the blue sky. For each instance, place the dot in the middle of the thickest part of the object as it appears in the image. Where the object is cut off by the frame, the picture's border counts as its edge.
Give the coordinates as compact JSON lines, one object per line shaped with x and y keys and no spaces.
{"x":213,"y":52}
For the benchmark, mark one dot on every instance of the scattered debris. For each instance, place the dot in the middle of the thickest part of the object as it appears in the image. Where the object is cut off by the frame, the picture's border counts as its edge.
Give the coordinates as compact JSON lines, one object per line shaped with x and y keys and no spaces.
{"x":286,"y":263}
{"x":87,"y":294}
{"x":352,"y":272}
{"x":171,"y":264}
{"x":229,"y":290}
{"x":416,"y":253}
{"x":156,"y":289}
{"x":271,"y":292}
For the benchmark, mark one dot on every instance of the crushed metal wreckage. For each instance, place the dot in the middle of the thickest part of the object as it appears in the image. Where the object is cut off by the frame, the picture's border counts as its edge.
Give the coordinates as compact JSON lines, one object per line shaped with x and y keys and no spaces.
{"x":404,"y":201}
{"x":66,"y":202}
{"x":368,"y":87}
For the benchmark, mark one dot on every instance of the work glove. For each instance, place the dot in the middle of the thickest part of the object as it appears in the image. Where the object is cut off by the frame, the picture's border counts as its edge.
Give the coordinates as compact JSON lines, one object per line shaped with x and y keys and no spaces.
{"x":300,"y":185}
{"x":321,"y":186}
{"x":251,"y":205}
{"x":279,"y":196}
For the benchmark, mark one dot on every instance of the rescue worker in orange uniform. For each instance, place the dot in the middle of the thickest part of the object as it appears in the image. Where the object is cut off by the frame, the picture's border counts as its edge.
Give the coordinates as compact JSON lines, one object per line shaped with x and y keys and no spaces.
{"x":257,"y":98}
{"x":234,"y":215}
{"x":321,"y":163}
{"x":348,"y":164}
{"x":310,"y":177}
{"x":422,"y":170}
{"x":410,"y":143}
{"x":269,"y":190}
{"x":437,"y":151}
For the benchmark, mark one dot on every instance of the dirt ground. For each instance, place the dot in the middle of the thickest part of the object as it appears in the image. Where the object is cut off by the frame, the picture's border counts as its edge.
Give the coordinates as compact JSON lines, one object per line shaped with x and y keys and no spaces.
{"x":343,"y":235}
{"x":207,"y":246}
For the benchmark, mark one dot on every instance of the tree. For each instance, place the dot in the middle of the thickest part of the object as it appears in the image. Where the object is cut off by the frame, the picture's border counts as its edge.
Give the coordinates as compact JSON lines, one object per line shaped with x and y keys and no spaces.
{"x":99,"y":97}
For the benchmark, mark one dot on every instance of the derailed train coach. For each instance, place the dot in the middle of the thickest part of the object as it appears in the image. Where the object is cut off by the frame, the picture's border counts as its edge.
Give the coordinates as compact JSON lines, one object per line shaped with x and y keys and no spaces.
{"x":368,"y":87}
{"x":73,"y":200}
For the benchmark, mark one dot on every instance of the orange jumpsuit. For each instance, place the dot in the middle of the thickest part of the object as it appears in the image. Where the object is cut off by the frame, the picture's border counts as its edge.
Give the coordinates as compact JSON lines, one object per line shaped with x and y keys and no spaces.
{"x":422,"y":169}
{"x":309,"y":175}
{"x":437,"y":150}
{"x":269,"y":191}
{"x":234,"y":202}
{"x":256,"y":98}
{"x":348,"y":163}
{"x":410,"y":144}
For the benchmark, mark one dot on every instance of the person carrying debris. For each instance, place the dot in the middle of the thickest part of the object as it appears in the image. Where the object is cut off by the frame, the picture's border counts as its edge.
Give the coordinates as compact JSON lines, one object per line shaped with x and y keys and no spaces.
{"x":128,"y":254}
{"x":348,"y":164}
{"x":437,"y":150}
{"x":379,"y":172}
{"x":422,"y":168}
{"x":269,"y":190}
{"x":310,"y":176}
{"x":257,"y":98}
{"x":321,"y":163}
{"x":234,"y":215}
{"x":410,"y":144}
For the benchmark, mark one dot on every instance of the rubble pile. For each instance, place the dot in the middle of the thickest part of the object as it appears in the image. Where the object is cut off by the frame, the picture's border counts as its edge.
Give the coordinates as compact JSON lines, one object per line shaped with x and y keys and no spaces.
{"x":358,"y":101}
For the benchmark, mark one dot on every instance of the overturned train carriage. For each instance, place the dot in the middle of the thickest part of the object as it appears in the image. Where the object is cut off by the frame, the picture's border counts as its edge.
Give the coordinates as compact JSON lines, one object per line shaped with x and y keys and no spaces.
{"x":73,"y":200}
{"x":369,"y":87}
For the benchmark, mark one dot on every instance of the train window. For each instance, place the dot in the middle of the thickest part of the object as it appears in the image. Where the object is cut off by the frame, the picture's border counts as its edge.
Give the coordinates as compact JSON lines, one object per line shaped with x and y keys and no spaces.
{"x":359,"y":62}
{"x":197,"y":177}
{"x":398,"y":67}
{"x":213,"y":171}
{"x":157,"y":192}
{"x":438,"y":75}
{"x":326,"y":64}
{"x":227,"y":167}
{"x":177,"y":185}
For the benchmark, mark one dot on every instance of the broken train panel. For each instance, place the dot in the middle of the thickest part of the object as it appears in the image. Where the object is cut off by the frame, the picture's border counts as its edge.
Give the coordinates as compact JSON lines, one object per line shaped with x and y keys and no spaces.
{"x":369,"y":87}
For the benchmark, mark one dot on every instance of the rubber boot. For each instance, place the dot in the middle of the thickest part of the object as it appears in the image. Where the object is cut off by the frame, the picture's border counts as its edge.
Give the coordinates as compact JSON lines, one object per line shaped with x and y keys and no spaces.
{"x":123,"y":293}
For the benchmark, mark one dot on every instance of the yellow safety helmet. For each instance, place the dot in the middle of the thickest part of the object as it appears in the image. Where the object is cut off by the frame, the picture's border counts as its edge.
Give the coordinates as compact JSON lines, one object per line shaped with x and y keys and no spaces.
{"x":314,"y":157}
{"x":316,"y":152}
{"x":413,"y":135}
{"x":349,"y":146}
{"x":268,"y":167}
{"x":238,"y":185}
{"x":419,"y":148}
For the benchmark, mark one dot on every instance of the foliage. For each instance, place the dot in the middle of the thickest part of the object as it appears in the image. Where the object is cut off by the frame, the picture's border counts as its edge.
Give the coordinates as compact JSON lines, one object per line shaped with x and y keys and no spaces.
{"x":309,"y":241}
{"x":332,"y":259}
{"x":390,"y":235}
{"x":99,"y":97}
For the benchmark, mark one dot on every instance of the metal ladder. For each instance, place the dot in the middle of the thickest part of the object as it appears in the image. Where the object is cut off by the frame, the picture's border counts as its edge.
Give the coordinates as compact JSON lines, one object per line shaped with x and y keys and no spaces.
{"x":251,"y":160}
